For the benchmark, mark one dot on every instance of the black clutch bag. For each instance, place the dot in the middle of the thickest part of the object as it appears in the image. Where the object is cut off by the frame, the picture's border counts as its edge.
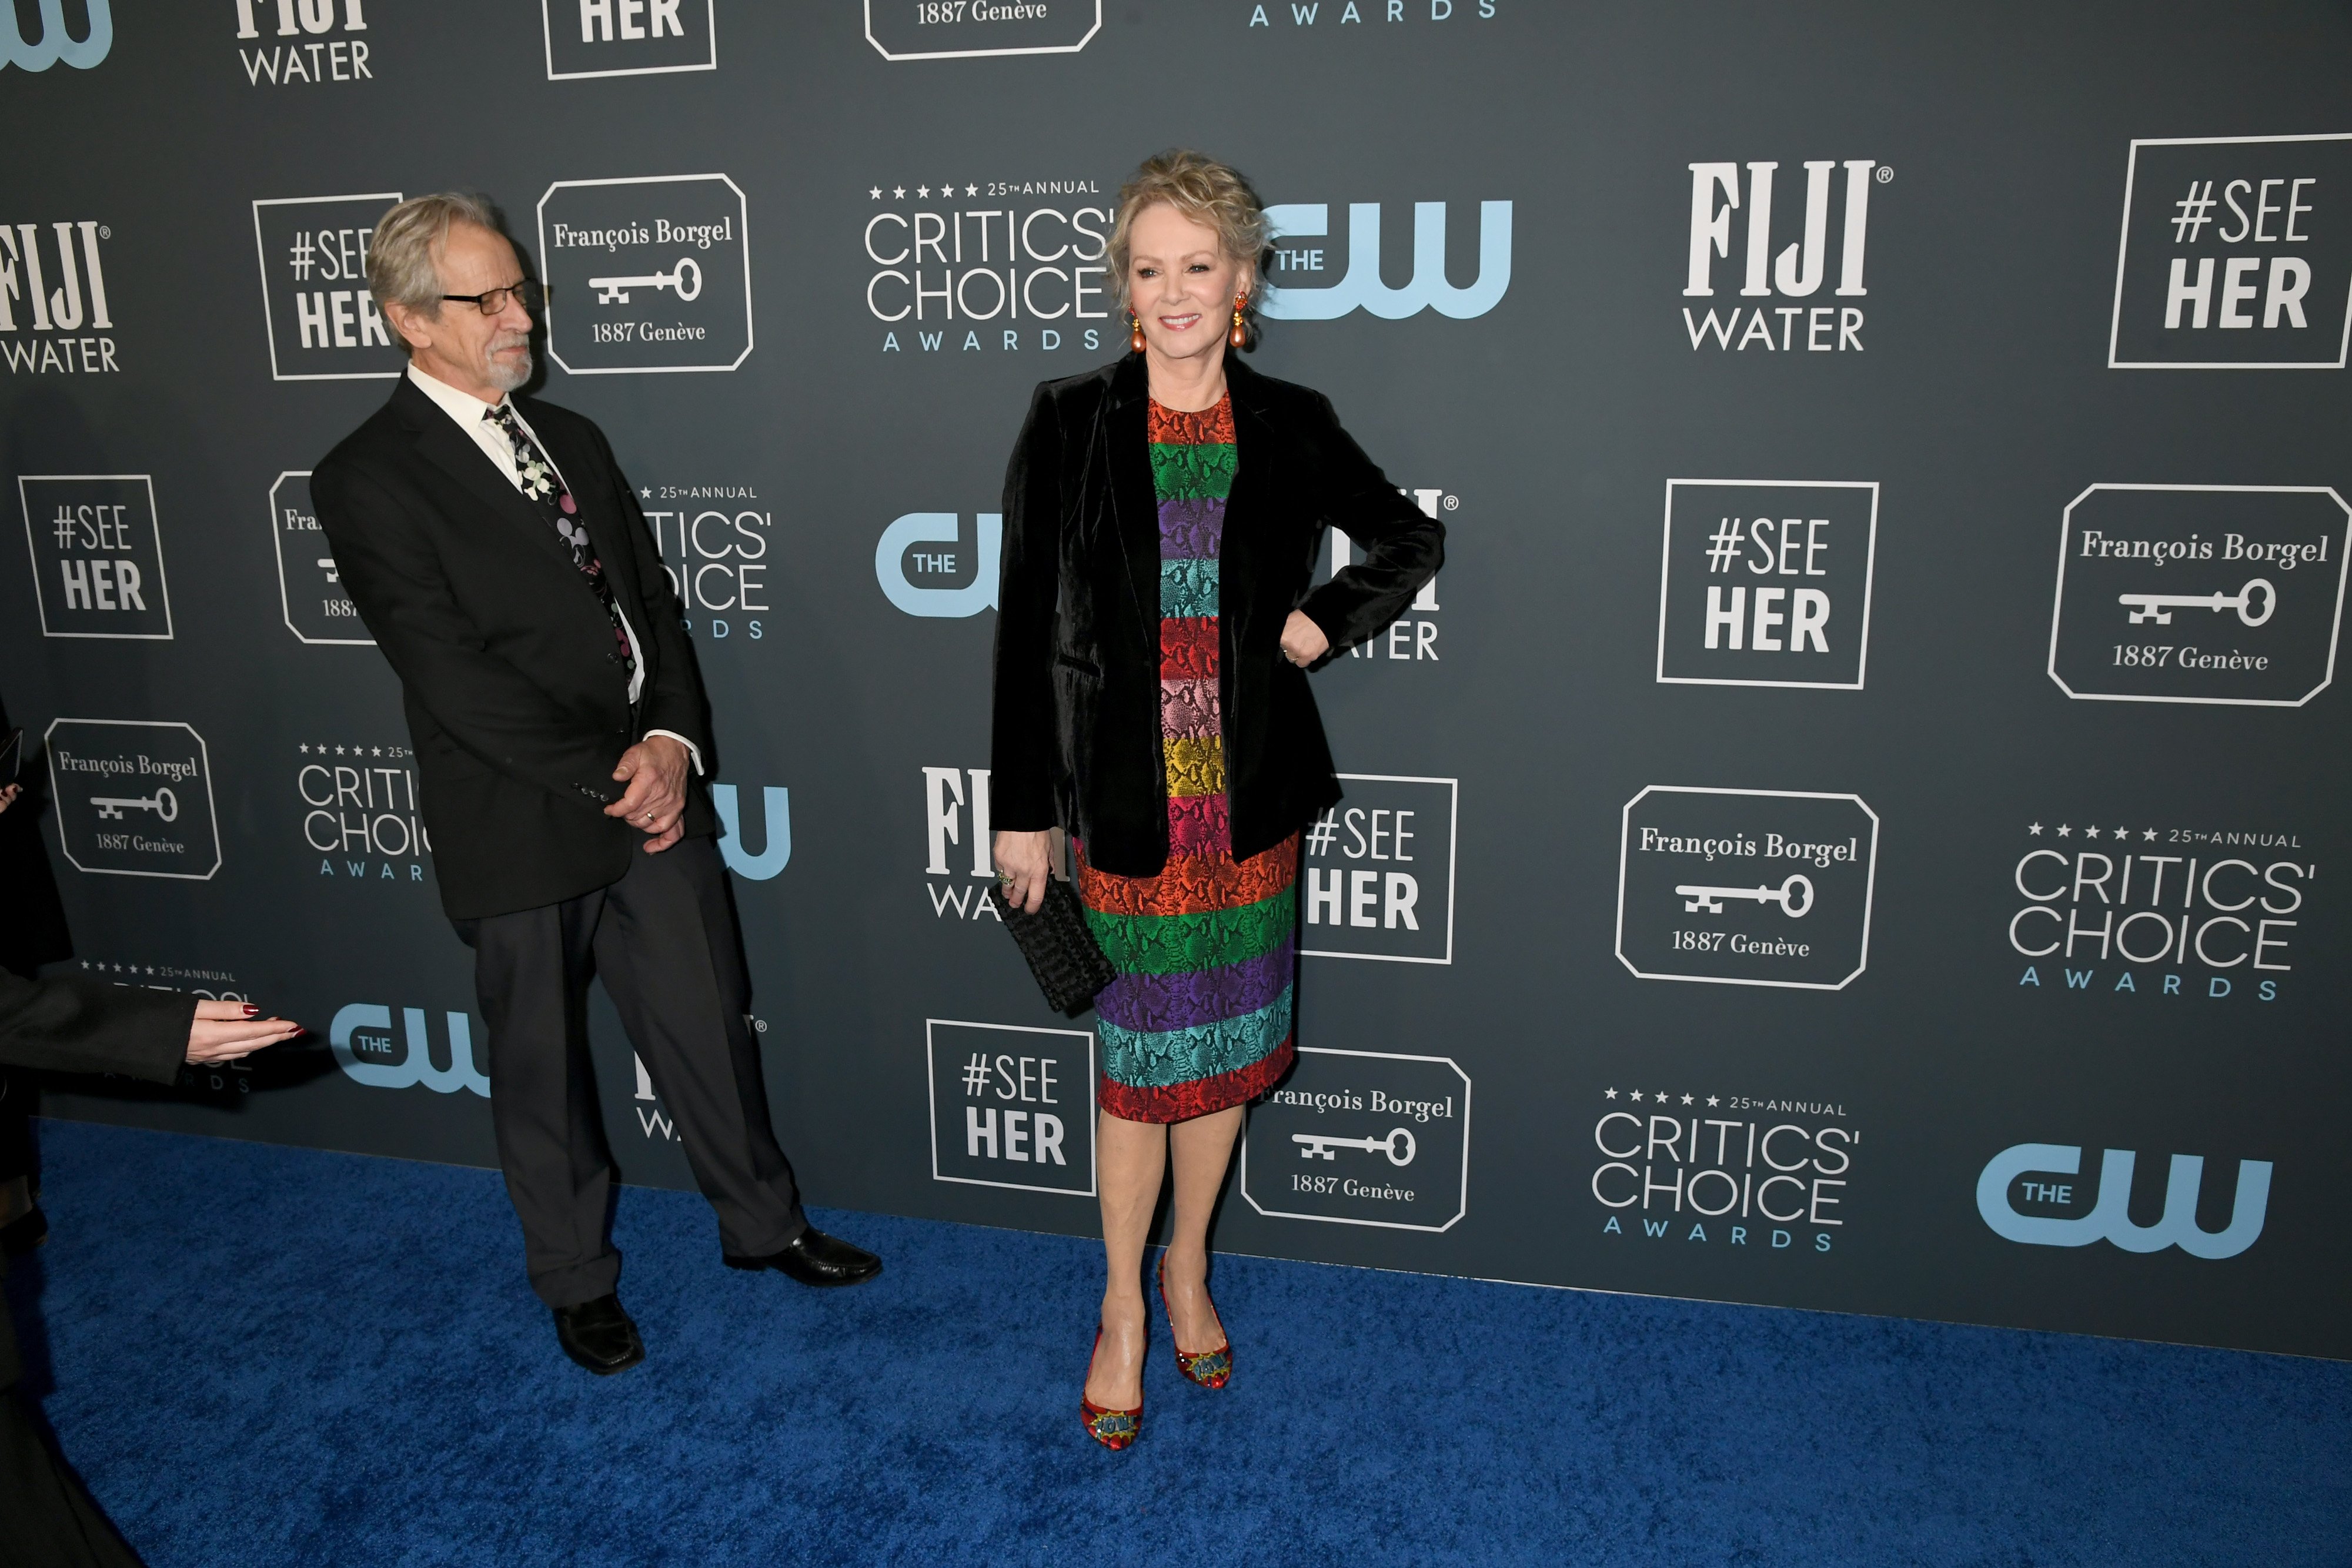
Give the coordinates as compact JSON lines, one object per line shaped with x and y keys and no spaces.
{"x":1062,"y":953}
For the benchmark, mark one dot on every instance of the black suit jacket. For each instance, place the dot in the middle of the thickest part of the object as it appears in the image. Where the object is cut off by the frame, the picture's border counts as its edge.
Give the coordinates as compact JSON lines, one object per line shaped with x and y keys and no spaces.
{"x":1077,"y":732}
{"x":517,"y":701}
{"x":74,"y":1025}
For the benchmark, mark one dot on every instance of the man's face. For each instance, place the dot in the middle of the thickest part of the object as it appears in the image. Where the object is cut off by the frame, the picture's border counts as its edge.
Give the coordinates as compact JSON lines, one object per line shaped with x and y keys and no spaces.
{"x":485,"y":355}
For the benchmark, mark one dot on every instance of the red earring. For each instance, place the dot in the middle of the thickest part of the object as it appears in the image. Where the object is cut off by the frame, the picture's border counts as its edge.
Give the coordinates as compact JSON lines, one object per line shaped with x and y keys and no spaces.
{"x":1239,"y":336}
{"x":1135,"y":339}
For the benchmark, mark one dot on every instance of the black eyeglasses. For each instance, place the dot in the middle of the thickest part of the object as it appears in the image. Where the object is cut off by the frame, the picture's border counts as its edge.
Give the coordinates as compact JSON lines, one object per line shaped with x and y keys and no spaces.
{"x":530,"y":294}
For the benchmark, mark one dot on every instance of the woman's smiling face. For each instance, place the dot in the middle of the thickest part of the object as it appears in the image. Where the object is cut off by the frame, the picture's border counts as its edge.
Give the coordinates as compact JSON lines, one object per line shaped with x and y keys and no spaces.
{"x":1180,"y":283}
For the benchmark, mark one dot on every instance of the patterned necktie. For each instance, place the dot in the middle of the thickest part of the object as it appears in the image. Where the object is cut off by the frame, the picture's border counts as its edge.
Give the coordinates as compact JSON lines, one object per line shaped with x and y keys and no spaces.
{"x":544,"y":486}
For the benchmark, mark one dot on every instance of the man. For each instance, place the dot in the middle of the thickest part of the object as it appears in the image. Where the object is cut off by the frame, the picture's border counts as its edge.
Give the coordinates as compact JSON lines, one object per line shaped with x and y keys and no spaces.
{"x":496,"y":551}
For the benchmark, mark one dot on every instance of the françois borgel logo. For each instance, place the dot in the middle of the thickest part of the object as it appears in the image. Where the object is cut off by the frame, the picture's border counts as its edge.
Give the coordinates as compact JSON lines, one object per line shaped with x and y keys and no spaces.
{"x":1318,"y":282}
{"x":646,"y":276}
{"x":2021,"y":1196}
{"x":2124,"y":910}
{"x":628,"y":38}
{"x":961,"y":29}
{"x":2236,"y":255}
{"x":134,"y":798}
{"x":1746,"y":887}
{"x":1797,"y":273}
{"x":302,"y":43}
{"x":1767,"y":583}
{"x":322,"y":321}
{"x":1750,"y":1175}
{"x":310,"y":592}
{"x":1362,"y":1137}
{"x":2199,"y":594}
{"x":1379,"y":871}
{"x":98,"y":560}
{"x":1012,"y":1107}
{"x":55,"y":43}
{"x":370,"y":1053}
{"x":52,"y":287}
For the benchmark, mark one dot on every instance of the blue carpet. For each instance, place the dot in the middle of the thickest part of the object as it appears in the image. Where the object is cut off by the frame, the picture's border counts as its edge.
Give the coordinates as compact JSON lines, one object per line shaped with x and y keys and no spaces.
{"x":259,"y":1355}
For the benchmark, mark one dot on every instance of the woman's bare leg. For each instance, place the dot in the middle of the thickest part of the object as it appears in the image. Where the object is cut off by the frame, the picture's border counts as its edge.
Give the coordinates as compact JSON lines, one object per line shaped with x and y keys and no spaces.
{"x":1201,"y":1147}
{"x":1131,"y":1158}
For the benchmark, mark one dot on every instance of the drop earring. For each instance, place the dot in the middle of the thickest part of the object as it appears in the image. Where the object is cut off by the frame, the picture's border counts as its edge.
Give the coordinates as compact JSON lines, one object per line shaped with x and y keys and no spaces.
{"x":1239,"y":336}
{"x":1135,"y":338}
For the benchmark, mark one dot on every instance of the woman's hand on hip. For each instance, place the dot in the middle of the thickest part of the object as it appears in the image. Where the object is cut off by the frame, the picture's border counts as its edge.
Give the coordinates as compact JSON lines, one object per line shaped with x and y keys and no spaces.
{"x":1302,"y":642}
{"x":1023,"y":862}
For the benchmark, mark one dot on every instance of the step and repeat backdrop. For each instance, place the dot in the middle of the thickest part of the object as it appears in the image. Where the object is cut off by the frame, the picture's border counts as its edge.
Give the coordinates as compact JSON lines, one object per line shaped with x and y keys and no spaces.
{"x":1855,"y":825}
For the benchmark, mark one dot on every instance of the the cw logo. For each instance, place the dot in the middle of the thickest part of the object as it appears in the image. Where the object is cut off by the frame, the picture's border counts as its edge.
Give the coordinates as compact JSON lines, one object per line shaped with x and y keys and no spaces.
{"x":2110,"y":1219}
{"x":1362,"y":286}
{"x":55,"y":44}
{"x":890,"y":562}
{"x":776,"y":806}
{"x":364,"y":1045}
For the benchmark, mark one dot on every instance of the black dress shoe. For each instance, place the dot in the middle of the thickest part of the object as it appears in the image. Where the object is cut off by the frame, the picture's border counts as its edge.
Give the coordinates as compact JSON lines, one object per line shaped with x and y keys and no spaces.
{"x":22,"y":1234}
{"x":815,"y":1258}
{"x":598,"y":1335}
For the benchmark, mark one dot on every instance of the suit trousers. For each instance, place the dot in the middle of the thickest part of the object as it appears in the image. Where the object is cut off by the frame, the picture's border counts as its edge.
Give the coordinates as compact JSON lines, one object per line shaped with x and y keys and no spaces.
{"x":665,"y":942}
{"x":47,"y":1517}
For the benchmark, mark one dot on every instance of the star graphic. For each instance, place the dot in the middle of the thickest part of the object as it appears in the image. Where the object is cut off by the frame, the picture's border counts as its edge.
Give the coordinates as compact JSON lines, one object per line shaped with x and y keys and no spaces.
{"x":2034,"y":829}
{"x":875,"y":193}
{"x":375,"y":751}
{"x":1710,"y":1099}
{"x":2090,"y":833}
{"x":971,"y":189}
{"x":304,"y":749}
{"x":922,"y":190}
{"x":646,"y":491}
{"x":899,"y":193}
{"x":339,"y":751}
{"x":2063,"y":831}
{"x":1660,"y":1096}
{"x":1609,"y":1093}
{"x":1637,"y":1096}
{"x":2149,"y":835}
{"x":1686,"y":1099}
{"x":85,"y":963}
{"x":2123,"y":832}
{"x":947,"y":188}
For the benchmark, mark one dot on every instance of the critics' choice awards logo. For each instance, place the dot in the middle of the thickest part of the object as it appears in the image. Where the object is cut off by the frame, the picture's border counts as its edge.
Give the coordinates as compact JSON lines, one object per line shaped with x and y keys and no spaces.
{"x":2161,"y":911}
{"x":962,"y":29}
{"x":1770,"y":1176}
{"x":53,"y":293}
{"x":55,"y":43}
{"x":1012,"y":1107}
{"x":2022,"y":1195}
{"x":646,"y":276}
{"x":323,"y":323}
{"x":1746,"y":887}
{"x":628,"y":38}
{"x":134,"y":798}
{"x":719,"y":565}
{"x":302,"y":43}
{"x":1362,"y":1137}
{"x":943,"y":263}
{"x":1750,"y":595}
{"x":2236,"y":255}
{"x":1379,"y":871}
{"x":98,"y":560}
{"x":370,"y":1052}
{"x":1799,"y":272}
{"x":2199,"y":594}
{"x":359,"y":811}
{"x":1317,"y":282}
{"x":310,"y":592}
{"x":956,"y":831}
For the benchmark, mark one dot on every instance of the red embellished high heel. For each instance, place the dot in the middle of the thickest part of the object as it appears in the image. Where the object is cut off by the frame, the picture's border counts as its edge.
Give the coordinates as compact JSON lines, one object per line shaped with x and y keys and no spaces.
{"x":1209,"y":1368}
{"x":1114,"y":1429}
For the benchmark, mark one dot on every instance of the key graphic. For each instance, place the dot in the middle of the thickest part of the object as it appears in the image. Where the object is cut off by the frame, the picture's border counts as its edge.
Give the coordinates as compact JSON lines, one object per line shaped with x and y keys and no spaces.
{"x":685,"y":278}
{"x":2159,"y":607}
{"x":1794,"y":895}
{"x":162,"y":803}
{"x":1328,"y":1148}
{"x":327,"y":564}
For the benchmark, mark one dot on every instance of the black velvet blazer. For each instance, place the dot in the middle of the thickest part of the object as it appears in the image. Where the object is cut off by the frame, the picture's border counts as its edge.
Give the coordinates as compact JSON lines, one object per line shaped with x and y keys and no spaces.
{"x":1077,"y":730}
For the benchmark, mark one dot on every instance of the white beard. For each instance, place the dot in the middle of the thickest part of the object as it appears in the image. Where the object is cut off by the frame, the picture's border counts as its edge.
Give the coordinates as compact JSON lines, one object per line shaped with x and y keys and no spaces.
{"x":504,"y":373}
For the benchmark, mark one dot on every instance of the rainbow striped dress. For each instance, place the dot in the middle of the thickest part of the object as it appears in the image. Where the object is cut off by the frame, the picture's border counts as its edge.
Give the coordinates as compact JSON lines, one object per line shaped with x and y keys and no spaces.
{"x":1198,"y":1018}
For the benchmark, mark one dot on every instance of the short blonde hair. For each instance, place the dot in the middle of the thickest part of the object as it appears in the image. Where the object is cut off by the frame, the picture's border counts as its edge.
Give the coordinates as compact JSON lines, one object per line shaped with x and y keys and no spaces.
{"x":1209,"y":192}
{"x":403,"y":258}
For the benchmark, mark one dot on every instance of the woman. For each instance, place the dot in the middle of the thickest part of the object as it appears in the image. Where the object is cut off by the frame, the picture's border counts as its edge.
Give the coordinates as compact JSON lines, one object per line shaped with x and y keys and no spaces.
{"x":1163,"y":519}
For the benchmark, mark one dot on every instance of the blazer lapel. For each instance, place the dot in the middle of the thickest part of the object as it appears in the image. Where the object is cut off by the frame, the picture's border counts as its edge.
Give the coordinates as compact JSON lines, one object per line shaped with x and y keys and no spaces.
{"x":1126,"y":425}
{"x":448,"y":449}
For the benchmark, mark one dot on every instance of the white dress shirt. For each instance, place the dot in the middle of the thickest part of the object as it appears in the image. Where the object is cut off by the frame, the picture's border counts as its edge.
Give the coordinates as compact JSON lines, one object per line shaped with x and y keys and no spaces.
{"x":469,"y":411}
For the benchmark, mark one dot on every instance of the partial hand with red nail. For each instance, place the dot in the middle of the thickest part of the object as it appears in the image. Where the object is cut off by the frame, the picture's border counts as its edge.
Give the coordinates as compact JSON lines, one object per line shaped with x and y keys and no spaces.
{"x":223,"y":1031}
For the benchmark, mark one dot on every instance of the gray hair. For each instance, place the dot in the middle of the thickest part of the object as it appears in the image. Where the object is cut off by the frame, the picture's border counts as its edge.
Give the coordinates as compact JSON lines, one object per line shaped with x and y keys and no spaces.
{"x":403,"y":256}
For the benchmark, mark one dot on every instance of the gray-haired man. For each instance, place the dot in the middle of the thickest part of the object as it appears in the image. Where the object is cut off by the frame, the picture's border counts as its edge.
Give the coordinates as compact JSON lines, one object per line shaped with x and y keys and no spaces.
{"x":497,"y":554}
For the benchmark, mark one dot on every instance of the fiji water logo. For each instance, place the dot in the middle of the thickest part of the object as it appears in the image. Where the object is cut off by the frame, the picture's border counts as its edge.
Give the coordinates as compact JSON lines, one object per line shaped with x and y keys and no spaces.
{"x":370,"y":1053}
{"x":2021,"y":1173}
{"x":1299,"y":293}
{"x":55,"y":44}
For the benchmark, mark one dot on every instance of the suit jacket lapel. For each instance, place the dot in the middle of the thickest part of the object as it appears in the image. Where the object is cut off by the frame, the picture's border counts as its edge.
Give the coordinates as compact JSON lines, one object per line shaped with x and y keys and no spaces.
{"x":448,"y":448}
{"x":1126,"y":426}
